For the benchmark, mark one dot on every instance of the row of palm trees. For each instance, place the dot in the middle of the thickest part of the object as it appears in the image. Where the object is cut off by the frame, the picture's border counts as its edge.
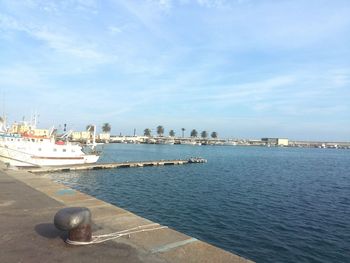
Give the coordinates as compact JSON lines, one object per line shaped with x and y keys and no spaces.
{"x":194,"y":133}
{"x":106,"y":128}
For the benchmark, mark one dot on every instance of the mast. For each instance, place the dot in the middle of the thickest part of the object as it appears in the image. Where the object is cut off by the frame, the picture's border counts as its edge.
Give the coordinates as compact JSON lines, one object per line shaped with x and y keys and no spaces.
{"x":3,"y":104}
{"x":35,"y":120}
{"x":94,"y":137}
{"x":4,"y":118}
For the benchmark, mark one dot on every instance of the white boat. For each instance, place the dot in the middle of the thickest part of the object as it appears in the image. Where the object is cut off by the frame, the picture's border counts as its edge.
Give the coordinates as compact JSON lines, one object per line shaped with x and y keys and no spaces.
{"x":165,"y":141}
{"x":190,"y":142}
{"x":229,"y":143}
{"x":24,"y":148}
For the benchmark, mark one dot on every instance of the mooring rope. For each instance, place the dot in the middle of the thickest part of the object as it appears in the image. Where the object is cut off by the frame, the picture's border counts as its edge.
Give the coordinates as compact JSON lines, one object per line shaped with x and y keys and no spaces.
{"x":127,"y":232}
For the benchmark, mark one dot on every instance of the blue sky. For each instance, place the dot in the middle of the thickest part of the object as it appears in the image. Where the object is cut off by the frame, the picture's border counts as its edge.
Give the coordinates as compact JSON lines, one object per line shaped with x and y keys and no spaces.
{"x":243,"y":68}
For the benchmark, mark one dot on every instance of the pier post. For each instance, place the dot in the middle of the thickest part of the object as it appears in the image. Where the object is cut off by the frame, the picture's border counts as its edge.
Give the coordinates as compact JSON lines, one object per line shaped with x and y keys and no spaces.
{"x":75,"y":220}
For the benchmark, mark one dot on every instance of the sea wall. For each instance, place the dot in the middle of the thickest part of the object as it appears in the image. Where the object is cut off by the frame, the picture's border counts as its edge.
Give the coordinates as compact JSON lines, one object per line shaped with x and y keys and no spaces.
{"x":29,"y":202}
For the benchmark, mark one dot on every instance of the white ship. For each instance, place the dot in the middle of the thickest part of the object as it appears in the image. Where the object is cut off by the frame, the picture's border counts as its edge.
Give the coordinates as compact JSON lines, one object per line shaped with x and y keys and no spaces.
{"x":23,"y":145}
{"x":190,"y":142}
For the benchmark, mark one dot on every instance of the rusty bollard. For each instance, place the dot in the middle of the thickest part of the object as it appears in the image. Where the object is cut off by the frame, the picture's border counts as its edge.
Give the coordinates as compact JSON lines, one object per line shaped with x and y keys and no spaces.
{"x":75,"y":220}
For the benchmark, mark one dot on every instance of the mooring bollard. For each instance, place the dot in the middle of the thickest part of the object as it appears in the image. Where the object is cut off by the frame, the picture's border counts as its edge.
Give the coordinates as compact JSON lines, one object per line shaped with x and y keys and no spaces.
{"x":75,"y":220}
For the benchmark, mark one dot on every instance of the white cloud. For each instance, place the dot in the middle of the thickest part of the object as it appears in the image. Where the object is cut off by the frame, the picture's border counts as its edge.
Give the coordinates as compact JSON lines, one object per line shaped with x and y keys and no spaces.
{"x":67,"y":44}
{"x":202,"y":58}
{"x":115,"y":29}
{"x":60,"y":42}
{"x":84,"y":4}
{"x":21,"y":78}
{"x":164,"y":4}
{"x":9,"y":23}
{"x":252,"y":90}
{"x":213,"y":3}
{"x":340,"y":78}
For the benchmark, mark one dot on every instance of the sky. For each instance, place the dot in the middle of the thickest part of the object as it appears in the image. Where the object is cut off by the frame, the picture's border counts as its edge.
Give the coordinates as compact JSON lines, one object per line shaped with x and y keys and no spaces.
{"x":242,"y":68}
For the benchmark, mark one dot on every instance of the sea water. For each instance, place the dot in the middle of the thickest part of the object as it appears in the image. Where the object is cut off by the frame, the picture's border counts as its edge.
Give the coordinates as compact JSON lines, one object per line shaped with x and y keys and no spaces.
{"x":265,"y":204}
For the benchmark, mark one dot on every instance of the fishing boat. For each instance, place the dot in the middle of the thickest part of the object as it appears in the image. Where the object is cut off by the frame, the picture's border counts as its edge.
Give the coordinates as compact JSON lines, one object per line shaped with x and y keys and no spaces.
{"x":165,"y":140}
{"x":23,"y":145}
{"x":190,"y":142}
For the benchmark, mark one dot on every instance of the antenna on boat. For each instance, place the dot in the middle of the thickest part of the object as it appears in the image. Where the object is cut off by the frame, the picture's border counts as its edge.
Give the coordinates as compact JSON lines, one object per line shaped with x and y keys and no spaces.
{"x":2,"y":124}
{"x":94,"y":138}
{"x":66,"y":134}
{"x":35,"y":119}
{"x":3,"y":119}
{"x":3,"y":103}
{"x":52,"y":130}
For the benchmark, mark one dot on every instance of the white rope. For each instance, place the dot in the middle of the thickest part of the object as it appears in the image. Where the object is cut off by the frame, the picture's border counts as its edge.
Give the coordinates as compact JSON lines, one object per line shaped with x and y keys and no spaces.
{"x":103,"y":238}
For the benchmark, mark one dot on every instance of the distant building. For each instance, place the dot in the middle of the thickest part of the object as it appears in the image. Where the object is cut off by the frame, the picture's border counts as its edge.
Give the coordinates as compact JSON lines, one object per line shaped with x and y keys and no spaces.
{"x":41,"y":132}
{"x":104,"y":136}
{"x":29,"y":129}
{"x":276,"y":141}
{"x":128,"y":139}
{"x":78,"y":136}
{"x":282,"y":142}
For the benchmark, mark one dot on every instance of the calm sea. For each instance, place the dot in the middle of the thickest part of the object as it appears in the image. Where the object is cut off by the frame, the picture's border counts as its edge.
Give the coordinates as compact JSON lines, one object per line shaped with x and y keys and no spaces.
{"x":265,"y":204}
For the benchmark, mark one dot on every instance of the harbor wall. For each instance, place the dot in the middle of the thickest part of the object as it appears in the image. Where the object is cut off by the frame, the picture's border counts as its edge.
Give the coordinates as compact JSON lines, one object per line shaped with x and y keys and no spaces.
{"x":33,"y":200}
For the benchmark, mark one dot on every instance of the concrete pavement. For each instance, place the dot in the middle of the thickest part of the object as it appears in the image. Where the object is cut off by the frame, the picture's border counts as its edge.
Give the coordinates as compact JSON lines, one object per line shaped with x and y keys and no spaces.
{"x":28,"y":203}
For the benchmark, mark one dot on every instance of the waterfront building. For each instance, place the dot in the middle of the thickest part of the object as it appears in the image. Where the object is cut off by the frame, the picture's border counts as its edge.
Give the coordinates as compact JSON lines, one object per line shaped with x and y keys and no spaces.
{"x":282,"y":142}
{"x":80,"y":136}
{"x":276,"y":141}
{"x":29,"y":129}
{"x":104,"y":136}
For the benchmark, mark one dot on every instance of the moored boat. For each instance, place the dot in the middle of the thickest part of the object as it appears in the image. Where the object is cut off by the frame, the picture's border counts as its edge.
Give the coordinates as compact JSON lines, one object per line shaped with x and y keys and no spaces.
{"x":23,"y":145}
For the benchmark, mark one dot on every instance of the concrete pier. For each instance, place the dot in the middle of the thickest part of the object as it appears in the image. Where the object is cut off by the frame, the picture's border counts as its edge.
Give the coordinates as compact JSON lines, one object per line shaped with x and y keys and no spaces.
{"x":98,"y":166}
{"x":28,"y":203}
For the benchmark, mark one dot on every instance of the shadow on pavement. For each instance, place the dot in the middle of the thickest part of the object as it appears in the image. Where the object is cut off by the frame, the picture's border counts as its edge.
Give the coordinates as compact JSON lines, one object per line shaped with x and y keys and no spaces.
{"x":49,"y":230}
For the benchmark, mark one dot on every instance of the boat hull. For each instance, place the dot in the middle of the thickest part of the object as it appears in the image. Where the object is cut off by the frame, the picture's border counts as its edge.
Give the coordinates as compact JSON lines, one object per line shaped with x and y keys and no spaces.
{"x":23,"y":159}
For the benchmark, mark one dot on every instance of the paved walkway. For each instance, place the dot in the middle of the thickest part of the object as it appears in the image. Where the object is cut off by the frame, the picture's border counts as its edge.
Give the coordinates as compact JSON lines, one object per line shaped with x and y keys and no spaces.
{"x":29,"y":202}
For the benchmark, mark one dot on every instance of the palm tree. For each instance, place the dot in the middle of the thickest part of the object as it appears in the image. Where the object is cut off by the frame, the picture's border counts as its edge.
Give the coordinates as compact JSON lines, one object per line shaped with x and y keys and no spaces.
{"x":183,"y":131}
{"x":204,"y":134}
{"x":214,"y":135}
{"x":160,"y":130}
{"x":171,"y":133}
{"x":147,"y":132}
{"x":106,"y":128}
{"x":194,"y":133}
{"x":90,"y":128}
